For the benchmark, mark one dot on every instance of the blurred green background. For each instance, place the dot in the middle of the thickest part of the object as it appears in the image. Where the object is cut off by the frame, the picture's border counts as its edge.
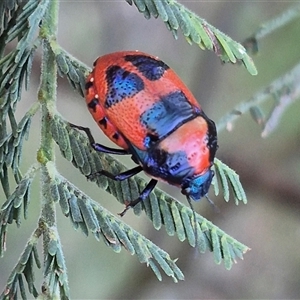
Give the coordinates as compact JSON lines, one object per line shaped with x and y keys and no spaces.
{"x":269,"y":168}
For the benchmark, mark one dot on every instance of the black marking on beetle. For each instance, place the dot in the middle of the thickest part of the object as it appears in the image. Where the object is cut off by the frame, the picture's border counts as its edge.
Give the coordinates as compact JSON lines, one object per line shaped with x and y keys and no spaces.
{"x":151,"y":68}
{"x":116,"y":136}
{"x":93,"y":104}
{"x":88,"y":85}
{"x":212,"y":140}
{"x":125,"y":74}
{"x":166,"y":115}
{"x":103,"y":122}
{"x":121,"y":84}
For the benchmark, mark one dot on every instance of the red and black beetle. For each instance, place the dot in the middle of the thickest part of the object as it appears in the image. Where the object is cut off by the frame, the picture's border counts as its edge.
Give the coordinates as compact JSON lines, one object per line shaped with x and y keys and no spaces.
{"x":144,"y":108}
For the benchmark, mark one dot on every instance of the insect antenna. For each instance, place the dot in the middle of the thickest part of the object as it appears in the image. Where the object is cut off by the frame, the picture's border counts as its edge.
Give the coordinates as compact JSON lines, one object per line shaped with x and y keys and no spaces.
{"x":194,"y":220}
{"x":215,"y":207}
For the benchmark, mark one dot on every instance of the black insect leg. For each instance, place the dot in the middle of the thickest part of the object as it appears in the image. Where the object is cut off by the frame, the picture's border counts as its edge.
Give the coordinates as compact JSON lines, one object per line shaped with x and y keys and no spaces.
{"x":119,"y":177}
{"x":125,"y":175}
{"x":143,"y":195}
{"x":99,"y":147}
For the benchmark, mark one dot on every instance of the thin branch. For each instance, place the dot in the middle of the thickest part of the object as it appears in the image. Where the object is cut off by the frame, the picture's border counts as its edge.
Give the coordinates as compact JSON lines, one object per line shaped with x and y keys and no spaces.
{"x":270,"y":26}
{"x":287,"y":86}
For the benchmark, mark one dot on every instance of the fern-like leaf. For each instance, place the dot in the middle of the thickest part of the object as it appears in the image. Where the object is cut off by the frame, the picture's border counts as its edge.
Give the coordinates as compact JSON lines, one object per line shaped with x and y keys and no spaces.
{"x":90,"y":216}
{"x":10,"y":11}
{"x":11,"y":209}
{"x":11,"y":147}
{"x":24,"y":269}
{"x":16,"y":65}
{"x":195,"y":30}
{"x":69,"y":66}
{"x":11,"y":144}
{"x":55,"y":272}
{"x":11,"y":81}
{"x":161,"y":208}
{"x":24,"y":13}
{"x":228,"y":178}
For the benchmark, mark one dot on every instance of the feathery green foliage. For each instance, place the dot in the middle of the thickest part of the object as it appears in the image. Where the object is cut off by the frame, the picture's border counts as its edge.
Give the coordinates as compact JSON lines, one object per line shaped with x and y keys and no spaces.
{"x":161,"y":208}
{"x":32,"y":25}
{"x":90,"y":216}
{"x":24,"y":269}
{"x":228,"y":177}
{"x":69,"y":66}
{"x":196,"y":30}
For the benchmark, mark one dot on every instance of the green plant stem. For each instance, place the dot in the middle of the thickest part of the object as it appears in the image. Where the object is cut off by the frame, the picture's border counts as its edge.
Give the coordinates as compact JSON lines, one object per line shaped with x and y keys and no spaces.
{"x":47,"y":97}
{"x":46,"y":153}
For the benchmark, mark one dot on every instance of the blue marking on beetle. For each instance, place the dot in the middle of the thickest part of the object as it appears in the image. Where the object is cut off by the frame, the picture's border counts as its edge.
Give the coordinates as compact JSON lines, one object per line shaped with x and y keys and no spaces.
{"x":166,"y":115}
{"x":122,"y":84}
{"x":171,"y":167}
{"x":151,"y":68}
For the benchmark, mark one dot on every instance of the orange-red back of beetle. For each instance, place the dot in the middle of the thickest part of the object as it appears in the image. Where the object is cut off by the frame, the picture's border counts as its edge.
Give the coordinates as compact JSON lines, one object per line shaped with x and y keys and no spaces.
{"x":124,"y":116}
{"x":143,"y":106}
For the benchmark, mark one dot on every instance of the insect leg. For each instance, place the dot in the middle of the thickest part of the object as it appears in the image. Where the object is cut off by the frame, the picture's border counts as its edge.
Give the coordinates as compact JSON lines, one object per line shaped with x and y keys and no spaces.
{"x":96,"y":146}
{"x":143,"y":195}
{"x":119,"y":177}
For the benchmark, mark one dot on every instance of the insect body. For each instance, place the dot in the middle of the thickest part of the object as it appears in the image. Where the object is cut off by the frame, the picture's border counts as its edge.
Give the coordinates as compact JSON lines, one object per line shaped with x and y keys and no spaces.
{"x":143,"y":107}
